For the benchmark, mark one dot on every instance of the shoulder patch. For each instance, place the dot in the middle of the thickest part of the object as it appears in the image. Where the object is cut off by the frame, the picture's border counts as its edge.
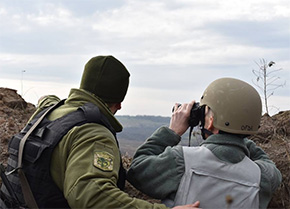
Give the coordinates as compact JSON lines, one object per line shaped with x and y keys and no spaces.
{"x":104,"y":161}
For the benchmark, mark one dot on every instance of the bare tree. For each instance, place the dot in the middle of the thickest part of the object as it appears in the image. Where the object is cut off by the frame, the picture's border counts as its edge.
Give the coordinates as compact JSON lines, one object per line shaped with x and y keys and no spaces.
{"x":267,"y":80}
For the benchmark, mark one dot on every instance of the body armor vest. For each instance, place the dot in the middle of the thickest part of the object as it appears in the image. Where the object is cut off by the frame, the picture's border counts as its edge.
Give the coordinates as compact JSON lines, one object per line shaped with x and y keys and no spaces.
{"x":37,"y":155}
{"x":216,"y":183}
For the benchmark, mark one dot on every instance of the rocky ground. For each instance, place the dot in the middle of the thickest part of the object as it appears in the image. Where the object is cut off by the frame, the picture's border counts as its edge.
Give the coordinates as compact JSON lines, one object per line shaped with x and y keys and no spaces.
{"x":273,"y":137}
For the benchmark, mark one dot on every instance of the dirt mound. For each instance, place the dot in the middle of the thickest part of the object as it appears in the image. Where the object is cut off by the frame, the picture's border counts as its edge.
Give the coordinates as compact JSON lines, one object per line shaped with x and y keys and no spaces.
{"x":14,"y":113}
{"x":273,"y":137}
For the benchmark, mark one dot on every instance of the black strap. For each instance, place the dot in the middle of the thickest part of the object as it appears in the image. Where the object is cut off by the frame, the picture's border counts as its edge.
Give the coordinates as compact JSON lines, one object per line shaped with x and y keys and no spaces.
{"x":204,"y":130}
{"x":8,"y":202}
{"x":7,"y":185}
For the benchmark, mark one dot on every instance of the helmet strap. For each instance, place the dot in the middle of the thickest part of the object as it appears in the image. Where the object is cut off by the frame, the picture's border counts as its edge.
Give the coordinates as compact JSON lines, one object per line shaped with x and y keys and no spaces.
{"x":202,"y":123}
{"x":204,"y":131}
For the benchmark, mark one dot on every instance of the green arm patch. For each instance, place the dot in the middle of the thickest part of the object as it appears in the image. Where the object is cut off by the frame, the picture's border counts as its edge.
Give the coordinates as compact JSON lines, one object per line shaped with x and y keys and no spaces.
{"x":104,"y":161}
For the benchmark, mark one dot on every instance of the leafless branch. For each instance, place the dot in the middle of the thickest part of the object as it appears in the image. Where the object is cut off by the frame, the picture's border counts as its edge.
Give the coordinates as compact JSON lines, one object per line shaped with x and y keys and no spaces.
{"x":266,"y":79}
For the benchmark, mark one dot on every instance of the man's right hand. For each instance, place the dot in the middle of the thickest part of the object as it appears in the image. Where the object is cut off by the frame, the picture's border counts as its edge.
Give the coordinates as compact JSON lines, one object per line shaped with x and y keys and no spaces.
{"x":194,"y":205}
{"x":180,"y":116}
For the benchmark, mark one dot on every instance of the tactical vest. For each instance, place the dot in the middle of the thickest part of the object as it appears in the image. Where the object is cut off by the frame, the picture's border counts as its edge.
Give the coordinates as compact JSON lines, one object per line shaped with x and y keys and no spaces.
{"x":216,"y":183}
{"x":37,"y":155}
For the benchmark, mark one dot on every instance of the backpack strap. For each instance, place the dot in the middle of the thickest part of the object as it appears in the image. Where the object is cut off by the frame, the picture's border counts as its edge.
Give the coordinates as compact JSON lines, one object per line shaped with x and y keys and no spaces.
{"x":15,"y":203}
{"x":27,"y":193}
{"x":96,"y":116}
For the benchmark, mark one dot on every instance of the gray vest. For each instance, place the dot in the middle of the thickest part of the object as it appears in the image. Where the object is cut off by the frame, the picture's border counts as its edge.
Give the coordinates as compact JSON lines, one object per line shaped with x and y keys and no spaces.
{"x":215,"y":183}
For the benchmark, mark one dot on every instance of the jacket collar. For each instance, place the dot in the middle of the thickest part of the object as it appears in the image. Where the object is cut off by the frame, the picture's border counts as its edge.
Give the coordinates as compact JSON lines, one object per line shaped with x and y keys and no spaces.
{"x":79,"y":97}
{"x":227,"y":140}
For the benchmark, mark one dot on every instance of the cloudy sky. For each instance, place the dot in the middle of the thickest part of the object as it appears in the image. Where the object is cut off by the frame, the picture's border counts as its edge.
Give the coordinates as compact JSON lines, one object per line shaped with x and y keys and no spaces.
{"x":172,"y":48}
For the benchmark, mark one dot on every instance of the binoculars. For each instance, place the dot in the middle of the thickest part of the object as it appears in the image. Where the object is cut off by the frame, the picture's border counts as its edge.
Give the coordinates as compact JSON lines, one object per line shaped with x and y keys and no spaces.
{"x":195,"y":114}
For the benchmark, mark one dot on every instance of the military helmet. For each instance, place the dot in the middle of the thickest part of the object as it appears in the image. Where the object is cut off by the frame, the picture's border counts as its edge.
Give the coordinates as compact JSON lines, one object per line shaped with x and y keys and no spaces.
{"x":236,"y":105}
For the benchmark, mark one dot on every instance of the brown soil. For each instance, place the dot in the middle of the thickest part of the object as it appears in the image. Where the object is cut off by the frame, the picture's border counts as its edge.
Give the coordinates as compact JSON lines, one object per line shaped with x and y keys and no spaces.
{"x":14,"y":113}
{"x":273,"y":137}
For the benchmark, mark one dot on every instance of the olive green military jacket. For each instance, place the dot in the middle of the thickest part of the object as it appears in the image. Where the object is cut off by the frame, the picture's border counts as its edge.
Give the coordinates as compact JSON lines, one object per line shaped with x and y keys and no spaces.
{"x":164,"y":163}
{"x":75,"y":164}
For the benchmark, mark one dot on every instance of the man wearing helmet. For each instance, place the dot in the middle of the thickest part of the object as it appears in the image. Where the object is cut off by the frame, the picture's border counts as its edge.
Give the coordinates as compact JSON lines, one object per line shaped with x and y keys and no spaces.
{"x":226,"y":170}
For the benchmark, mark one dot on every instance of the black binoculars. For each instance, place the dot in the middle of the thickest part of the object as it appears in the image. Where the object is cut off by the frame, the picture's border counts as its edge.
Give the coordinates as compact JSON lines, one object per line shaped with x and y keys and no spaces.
{"x":195,"y":114}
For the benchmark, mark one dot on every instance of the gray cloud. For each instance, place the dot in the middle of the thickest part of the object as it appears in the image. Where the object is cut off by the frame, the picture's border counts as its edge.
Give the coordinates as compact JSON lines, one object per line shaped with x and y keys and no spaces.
{"x":173,"y":48}
{"x":273,"y":33}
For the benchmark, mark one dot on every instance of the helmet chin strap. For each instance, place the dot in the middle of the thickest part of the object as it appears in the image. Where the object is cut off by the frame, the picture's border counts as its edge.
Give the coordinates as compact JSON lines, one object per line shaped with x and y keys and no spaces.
{"x":204,"y":131}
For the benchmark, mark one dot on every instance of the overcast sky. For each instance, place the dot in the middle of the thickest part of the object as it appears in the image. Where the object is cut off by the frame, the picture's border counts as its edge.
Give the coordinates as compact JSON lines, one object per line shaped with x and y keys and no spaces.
{"x":173,"y":48}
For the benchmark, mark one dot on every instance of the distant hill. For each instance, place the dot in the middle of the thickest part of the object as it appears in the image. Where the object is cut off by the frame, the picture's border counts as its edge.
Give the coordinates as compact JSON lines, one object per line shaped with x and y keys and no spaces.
{"x":136,"y":129}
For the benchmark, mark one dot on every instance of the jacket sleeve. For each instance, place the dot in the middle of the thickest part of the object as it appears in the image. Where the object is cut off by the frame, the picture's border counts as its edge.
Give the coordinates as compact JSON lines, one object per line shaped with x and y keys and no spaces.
{"x":156,"y":169}
{"x":90,"y":170}
{"x":270,"y":175}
